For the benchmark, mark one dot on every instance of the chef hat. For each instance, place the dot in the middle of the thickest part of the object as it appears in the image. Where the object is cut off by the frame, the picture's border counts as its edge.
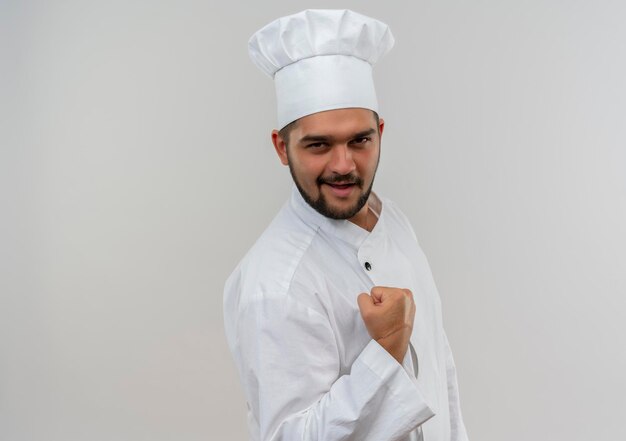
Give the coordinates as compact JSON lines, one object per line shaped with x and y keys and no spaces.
{"x":321,"y":59}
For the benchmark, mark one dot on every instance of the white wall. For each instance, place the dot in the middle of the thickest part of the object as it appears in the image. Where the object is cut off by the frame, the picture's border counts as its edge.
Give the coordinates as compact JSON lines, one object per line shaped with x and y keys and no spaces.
{"x":136,"y":169}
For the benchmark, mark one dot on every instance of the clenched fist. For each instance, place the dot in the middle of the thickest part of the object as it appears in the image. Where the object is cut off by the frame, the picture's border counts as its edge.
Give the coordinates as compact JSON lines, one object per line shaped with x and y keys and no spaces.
{"x":388,"y":314}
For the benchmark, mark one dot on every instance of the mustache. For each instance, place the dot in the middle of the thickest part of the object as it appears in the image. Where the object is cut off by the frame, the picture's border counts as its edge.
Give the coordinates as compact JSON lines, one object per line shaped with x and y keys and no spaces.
{"x":350,"y":178}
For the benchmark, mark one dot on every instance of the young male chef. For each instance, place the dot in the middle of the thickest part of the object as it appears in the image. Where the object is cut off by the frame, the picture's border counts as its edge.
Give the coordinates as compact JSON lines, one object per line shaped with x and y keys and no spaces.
{"x":333,"y":317}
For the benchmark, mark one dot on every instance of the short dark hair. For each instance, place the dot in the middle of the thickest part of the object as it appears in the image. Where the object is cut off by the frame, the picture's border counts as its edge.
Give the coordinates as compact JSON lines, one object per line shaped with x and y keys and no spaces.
{"x":286,"y":131}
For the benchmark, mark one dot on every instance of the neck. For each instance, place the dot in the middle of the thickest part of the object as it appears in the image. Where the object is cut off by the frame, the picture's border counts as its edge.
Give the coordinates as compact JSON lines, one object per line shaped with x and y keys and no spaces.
{"x":364,"y":218}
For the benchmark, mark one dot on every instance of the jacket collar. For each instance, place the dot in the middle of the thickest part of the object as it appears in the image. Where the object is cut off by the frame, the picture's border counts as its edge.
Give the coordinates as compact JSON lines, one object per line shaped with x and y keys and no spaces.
{"x":340,"y":228}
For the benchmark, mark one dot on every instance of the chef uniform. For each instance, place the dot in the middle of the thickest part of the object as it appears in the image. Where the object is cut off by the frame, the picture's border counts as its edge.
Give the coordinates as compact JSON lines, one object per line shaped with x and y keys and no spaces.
{"x":309,"y":369}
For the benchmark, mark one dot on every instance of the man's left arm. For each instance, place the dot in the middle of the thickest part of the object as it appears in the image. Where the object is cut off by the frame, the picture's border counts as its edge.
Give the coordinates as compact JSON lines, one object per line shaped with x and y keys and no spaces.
{"x":457,"y":427}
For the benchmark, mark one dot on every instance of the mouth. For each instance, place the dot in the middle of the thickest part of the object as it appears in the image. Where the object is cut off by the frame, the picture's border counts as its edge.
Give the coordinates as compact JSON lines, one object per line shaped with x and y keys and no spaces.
{"x":341,"y":184}
{"x":341,"y":189}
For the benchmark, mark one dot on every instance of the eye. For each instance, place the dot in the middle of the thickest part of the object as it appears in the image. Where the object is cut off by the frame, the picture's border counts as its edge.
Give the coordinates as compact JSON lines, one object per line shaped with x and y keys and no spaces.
{"x":316,"y":145}
{"x":361,"y":140}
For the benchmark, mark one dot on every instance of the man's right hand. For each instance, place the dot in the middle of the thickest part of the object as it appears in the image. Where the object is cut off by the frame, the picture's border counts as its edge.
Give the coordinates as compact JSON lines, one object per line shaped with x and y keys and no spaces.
{"x":388,"y":314}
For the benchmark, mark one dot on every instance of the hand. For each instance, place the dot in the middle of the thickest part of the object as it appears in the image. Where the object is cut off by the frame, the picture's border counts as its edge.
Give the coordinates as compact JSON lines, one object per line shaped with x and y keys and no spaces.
{"x":388,"y":314}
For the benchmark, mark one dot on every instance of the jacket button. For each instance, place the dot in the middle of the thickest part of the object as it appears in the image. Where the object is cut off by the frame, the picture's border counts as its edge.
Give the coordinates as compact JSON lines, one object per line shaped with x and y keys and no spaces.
{"x":368,"y":266}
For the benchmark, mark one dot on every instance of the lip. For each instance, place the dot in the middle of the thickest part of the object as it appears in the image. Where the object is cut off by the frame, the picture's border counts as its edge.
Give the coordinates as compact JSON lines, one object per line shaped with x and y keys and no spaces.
{"x":341,"y":190}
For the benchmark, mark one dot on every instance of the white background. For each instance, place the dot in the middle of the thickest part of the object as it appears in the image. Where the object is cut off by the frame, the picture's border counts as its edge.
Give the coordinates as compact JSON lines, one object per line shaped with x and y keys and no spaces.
{"x":136,"y":169}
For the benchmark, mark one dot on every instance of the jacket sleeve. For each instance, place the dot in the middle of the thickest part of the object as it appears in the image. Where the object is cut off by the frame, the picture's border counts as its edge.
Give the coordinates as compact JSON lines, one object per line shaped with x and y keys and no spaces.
{"x":289,"y":363}
{"x":457,"y":427}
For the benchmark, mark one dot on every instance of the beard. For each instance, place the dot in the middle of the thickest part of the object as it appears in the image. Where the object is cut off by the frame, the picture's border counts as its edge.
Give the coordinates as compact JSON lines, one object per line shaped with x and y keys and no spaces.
{"x":321,"y":204}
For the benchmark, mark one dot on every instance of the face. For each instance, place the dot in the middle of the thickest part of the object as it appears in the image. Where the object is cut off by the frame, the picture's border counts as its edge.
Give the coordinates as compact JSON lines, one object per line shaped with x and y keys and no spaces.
{"x":332,"y":157}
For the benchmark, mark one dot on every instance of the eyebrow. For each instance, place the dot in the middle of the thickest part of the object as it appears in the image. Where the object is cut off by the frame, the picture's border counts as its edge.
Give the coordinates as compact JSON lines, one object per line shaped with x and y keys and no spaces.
{"x":324,"y":138}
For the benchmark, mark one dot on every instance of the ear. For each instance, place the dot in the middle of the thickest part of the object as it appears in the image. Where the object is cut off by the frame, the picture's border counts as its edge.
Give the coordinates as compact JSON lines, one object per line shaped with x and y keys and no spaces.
{"x":381,"y":126}
{"x":280,"y":146}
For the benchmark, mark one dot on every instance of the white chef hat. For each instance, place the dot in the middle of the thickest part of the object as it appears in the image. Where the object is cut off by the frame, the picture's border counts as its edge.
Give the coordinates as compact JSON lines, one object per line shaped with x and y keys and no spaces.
{"x":321,"y":59}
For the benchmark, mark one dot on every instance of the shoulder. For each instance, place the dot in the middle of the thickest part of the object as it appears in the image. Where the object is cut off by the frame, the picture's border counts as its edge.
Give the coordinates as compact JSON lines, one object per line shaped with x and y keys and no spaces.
{"x":395,"y":217}
{"x":268,"y":267}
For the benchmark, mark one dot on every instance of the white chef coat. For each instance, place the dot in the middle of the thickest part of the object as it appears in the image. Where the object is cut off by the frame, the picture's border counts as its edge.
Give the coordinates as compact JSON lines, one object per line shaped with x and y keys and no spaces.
{"x":309,"y":369}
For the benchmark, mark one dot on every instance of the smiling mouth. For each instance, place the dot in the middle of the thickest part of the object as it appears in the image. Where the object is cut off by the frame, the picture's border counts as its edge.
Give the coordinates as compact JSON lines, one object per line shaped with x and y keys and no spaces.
{"x":348,"y":185}
{"x":341,"y":190}
{"x":341,"y":186}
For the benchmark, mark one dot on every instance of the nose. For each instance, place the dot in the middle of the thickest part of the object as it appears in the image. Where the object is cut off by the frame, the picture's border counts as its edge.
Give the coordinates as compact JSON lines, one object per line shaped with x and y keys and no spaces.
{"x":341,"y":161}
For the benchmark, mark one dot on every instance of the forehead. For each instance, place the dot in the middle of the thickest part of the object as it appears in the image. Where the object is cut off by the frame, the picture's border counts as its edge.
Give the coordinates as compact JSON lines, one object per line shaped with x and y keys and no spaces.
{"x":336,"y":122}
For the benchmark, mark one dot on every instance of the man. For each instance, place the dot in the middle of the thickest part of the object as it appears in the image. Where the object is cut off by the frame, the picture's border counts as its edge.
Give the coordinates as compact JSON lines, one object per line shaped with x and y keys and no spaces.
{"x":333,"y":317}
